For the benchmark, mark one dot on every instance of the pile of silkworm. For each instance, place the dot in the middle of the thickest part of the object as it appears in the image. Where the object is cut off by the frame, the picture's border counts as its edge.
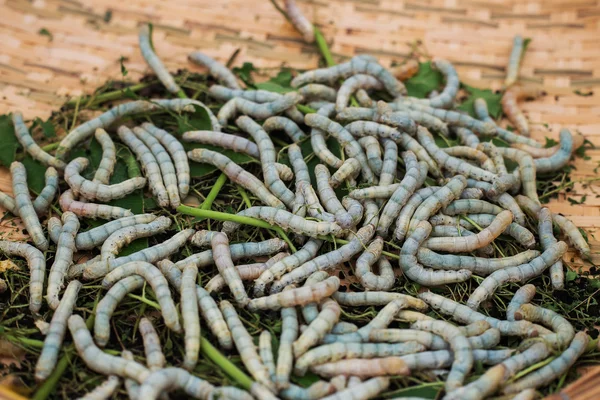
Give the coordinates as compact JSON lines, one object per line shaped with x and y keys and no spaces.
{"x":411,"y":211}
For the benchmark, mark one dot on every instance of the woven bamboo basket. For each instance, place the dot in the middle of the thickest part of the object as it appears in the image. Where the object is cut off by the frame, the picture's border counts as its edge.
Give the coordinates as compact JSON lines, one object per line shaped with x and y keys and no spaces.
{"x":53,"y":50}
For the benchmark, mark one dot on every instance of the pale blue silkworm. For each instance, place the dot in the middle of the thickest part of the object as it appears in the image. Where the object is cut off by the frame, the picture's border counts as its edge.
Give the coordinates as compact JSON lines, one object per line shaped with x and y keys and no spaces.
{"x":154,"y":62}
{"x":190,"y":317}
{"x":90,"y":210}
{"x":216,"y":69}
{"x":109,"y":157}
{"x":31,"y":147}
{"x":36,"y":262}
{"x":46,"y":196}
{"x":24,"y":206}
{"x":170,"y":379}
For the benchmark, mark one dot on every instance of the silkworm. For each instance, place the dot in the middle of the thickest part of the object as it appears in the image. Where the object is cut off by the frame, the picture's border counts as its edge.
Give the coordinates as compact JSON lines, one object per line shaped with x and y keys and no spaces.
{"x":385,"y":279}
{"x":472,"y":153}
{"x":8,"y":202}
{"x":316,"y":330}
{"x":317,"y":140}
{"x":155,"y":359}
{"x":357,"y":65}
{"x":299,"y":20}
{"x":369,"y":128}
{"x":259,"y":111}
{"x":438,"y":200}
{"x":99,"y":361}
{"x":422,"y":118}
{"x":91,"y":210}
{"x":103,"y":391}
{"x":109,"y":157}
{"x":31,"y":147}
{"x":313,"y":204}
{"x":563,"y":330}
{"x":157,"y":281}
{"x":448,"y":94}
{"x":265,"y":350}
{"x":488,"y":339}
{"x":505,"y":200}
{"x":225,"y":140}
{"x":289,"y":127}
{"x":316,"y":391}
{"x":372,"y":150}
{"x":400,"y":121}
{"x":348,"y":171}
{"x":44,"y":199}
{"x":520,"y":273}
{"x":511,"y":109}
{"x":471,"y":206}
{"x":467,"y":137}
{"x":514,"y":61}
{"x":406,"y":336}
{"x":154,"y":62}
{"x":329,"y":198}
{"x":36,"y":262}
{"x":471,"y":193}
{"x":219,"y":71}
{"x":376,"y":298}
{"x":354,"y":208}
{"x":351,"y":85}
{"x":554,"y":369}
{"x":236,"y":174}
{"x":466,"y":315}
{"x":475,"y":328}
{"x":447,"y":233}
{"x":96,"y":236}
{"x":300,"y":296}
{"x":366,"y":390}
{"x":522,"y":296}
{"x":190,"y":316}
{"x":390,"y":162}
{"x":289,"y":334}
{"x":406,"y":213}
{"x":346,"y":351}
{"x":169,"y":379}
{"x":56,"y":332}
{"x":445,"y":358}
{"x":288,"y":221}
{"x":363,"y":368}
{"x":527,"y":394}
{"x":463,"y":356}
{"x":412,"y":180}
{"x":316,"y":91}
{"x":547,"y":239}
{"x":246,"y":272}
{"x":310,"y":311}
{"x":328,"y":260}
{"x":522,"y":235}
{"x":24,"y":206}
{"x":245,"y":345}
{"x":559,"y":159}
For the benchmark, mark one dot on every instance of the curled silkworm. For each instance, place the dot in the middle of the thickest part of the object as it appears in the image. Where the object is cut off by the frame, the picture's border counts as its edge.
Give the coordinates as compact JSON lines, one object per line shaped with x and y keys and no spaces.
{"x":486,"y":340}
{"x":385,"y":279}
{"x":103,"y":391}
{"x":224,"y":263}
{"x":463,"y":356}
{"x":169,"y":379}
{"x":446,"y":97}
{"x":522,"y":235}
{"x":8,"y":202}
{"x":406,"y":337}
{"x":351,"y":85}
{"x":246,"y":272}
{"x":316,"y":91}
{"x":149,"y":164}
{"x":313,"y":204}
{"x":90,"y":210}
{"x":294,"y":297}
{"x":154,"y":62}
{"x":363,"y":368}
{"x":554,"y":369}
{"x":56,"y":332}
{"x":357,"y":65}
{"x":24,"y":206}
{"x":259,"y":111}
{"x":406,"y":213}
{"x":31,"y":147}
{"x":317,"y":140}
{"x":245,"y":345}
{"x":328,"y":260}
{"x":420,"y":117}
{"x":547,"y":239}
{"x":318,"y":328}
{"x":563,"y":330}
{"x":348,"y":171}
{"x":514,"y":61}
{"x":471,"y":194}
{"x":96,"y":236}
{"x":37,"y":269}
{"x":467,"y":137}
{"x":63,"y":258}
{"x":286,"y":125}
{"x":190,"y":317}
{"x":523,"y":295}
{"x":237,"y":174}
{"x":446,"y":233}
{"x":155,"y":359}
{"x":370,"y":128}
{"x":469,"y":152}
{"x":46,"y":196}
{"x":372,"y":149}
{"x":289,"y":334}
{"x":400,"y":121}
{"x":560,"y":158}
{"x":520,"y":273}
{"x":363,"y":391}
{"x":376,"y":298}
{"x":300,"y":22}
{"x":109,"y":157}
{"x":329,"y":198}
{"x":216,"y":69}
{"x":354,"y":208}
{"x":157,"y":281}
{"x":511,"y":108}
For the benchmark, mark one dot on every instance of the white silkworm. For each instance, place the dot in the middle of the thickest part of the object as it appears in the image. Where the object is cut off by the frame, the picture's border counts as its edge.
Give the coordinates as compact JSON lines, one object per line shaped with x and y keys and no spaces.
{"x":486,"y":340}
{"x":157,"y":281}
{"x":511,"y":109}
{"x":225,"y":140}
{"x":239,"y":105}
{"x":247,"y":272}
{"x":522,"y":235}
{"x":300,"y":22}
{"x":407,"y":336}
{"x":354,"y":208}
{"x":547,"y":239}
{"x":318,"y":328}
{"x":216,"y":69}
{"x":109,"y":157}
{"x":155,"y":359}
{"x":265,"y":349}
{"x":313,"y":204}
{"x":445,"y":358}
{"x":514,"y":61}
{"x":472,"y":153}
{"x":390,"y":162}
{"x":46,"y":196}
{"x":527,"y":394}
{"x":372,"y":149}
{"x":245,"y":345}
{"x":169,"y":379}
{"x":317,"y":140}
{"x":63,"y":258}
{"x":316,"y":391}
{"x":438,"y":200}
{"x":224,"y":263}
{"x":520,"y":273}
{"x":237,"y":174}
{"x":463,"y":356}
{"x":96,"y":236}
{"x":24,"y":206}
{"x":149,"y":164}
{"x":471,"y":206}
{"x":376,"y":298}
{"x":90,"y":210}
{"x":36,"y":262}
{"x":363,"y":391}
{"x":154,"y":62}
{"x":406,"y":213}
{"x":190,"y":317}
{"x":299,"y":296}
{"x":446,"y":97}
{"x":363,"y":368}
{"x":329,"y":199}
{"x":289,"y":334}
{"x":56,"y":332}
{"x":523,"y":295}
{"x":351,"y":85}
{"x":371,"y":281}
{"x":348,"y":171}
{"x":563,"y":330}
{"x":103,"y":391}
{"x":316,"y":91}
{"x":31,"y":147}
{"x":286,"y":125}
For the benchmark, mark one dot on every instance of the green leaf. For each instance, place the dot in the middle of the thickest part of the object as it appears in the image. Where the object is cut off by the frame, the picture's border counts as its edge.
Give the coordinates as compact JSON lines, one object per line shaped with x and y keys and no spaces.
{"x":575,"y":202}
{"x":424,"y":82}
{"x":130,"y":94}
{"x":245,"y":73}
{"x":151,"y":30}
{"x":46,"y":32}
{"x":124,"y":71}
{"x":196,"y":121}
{"x":9,"y":141}
{"x":107,"y":16}
{"x":492,"y":99}
{"x":594,"y":283}
{"x":526,"y":43}
{"x":279,"y":83}
{"x":550,"y":143}
{"x":273,"y":87}
{"x":135,"y":246}
{"x":47,"y":127}
{"x":571,"y":276}
{"x":35,"y":174}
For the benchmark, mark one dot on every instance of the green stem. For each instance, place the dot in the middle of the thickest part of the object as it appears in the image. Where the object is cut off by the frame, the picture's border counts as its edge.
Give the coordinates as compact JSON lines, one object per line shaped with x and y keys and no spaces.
{"x":305,"y":109}
{"x":144,"y":300}
{"x":181,"y":94}
{"x":214,"y":192}
{"x":108,"y":96}
{"x":323,"y":47}
{"x":220,"y":216}
{"x":244,"y":196}
{"x":227,"y":366}
{"x":50,"y":147}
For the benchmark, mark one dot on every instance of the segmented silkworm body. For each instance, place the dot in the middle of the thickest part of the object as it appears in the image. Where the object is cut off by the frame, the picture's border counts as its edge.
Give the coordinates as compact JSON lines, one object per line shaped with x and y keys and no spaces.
{"x":103,"y":391}
{"x":154,"y":62}
{"x":351,"y":85}
{"x":299,"y":296}
{"x":554,"y":369}
{"x":190,"y":316}
{"x":24,"y":206}
{"x":316,"y":91}
{"x":265,"y":349}
{"x":225,"y":140}
{"x":63,"y":258}
{"x":447,"y":96}
{"x":560,"y":158}
{"x":96,"y":236}
{"x":375,"y":298}
{"x":289,"y":334}
{"x":518,"y":232}
{"x":300,"y":22}
{"x":56,"y":332}
{"x":126,"y":235}
{"x":438,"y":200}
{"x":563,"y":330}
{"x":372,"y":150}
{"x":90,"y":210}
{"x":155,"y":359}
{"x":481,"y":111}
{"x":329,"y":198}
{"x":286,"y":125}
{"x":37,"y":269}
{"x":237,"y":174}
{"x":46,"y":196}
{"x":523,"y":295}
{"x":463,"y":356}
{"x":31,"y":147}
{"x":363,"y":391}
{"x":109,"y":157}
{"x":385,"y":279}
{"x":547,"y":239}
{"x":348,"y":171}
{"x":246,"y":272}
{"x":390,"y":162}
{"x":224,"y":263}
{"x":169,"y":379}
{"x":520,"y":273}
{"x":327,"y":318}
{"x":239,"y":105}
{"x":407,"y":336}
{"x":316,"y":391}
{"x":514,"y":61}
{"x":527,"y":172}
{"x":511,"y":108}
{"x":216,"y":69}
{"x":363,"y":368}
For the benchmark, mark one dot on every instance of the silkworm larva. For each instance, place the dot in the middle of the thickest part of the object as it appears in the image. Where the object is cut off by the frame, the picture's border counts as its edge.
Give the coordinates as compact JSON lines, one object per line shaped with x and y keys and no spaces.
{"x":24,"y":206}
{"x":363,"y":368}
{"x":149,"y":164}
{"x":471,"y":206}
{"x":317,"y":140}
{"x":109,"y":157}
{"x":310,"y":311}
{"x":259,"y":111}
{"x":472,"y":153}
{"x":412,"y":180}
{"x":349,"y":170}
{"x":286,"y":125}
{"x":463,"y":356}
{"x":468,"y":138}
{"x":299,"y":20}
{"x":447,"y":96}
{"x":313,"y":204}
{"x":289,"y":334}
{"x":56,"y":332}
{"x":99,"y":361}
{"x":422,"y":118}
{"x":103,"y":391}
{"x":63,"y":258}
{"x":318,"y":328}
{"x":96,"y":236}
{"x":400,"y":121}
{"x":523,"y":295}
{"x":471,"y":193}
{"x":511,"y":109}
{"x":224,"y":263}
{"x":90,"y":210}
{"x":298,"y":164}
{"x":216,"y":69}
{"x":547,"y":239}
{"x":385,"y":279}
{"x":554,"y":369}
{"x":444,"y":358}
{"x":190,"y":317}
{"x":390,"y":162}
{"x":426,"y":339}
{"x":300,"y":296}
{"x":329,"y":198}
{"x":157,"y":281}
{"x":31,"y":147}
{"x":369,"y":128}
{"x":414,"y":201}
{"x":563,"y":330}
{"x":237,"y":174}
{"x":372,"y":149}
{"x":46,"y":196}
{"x":169,"y":379}
{"x":265,"y":349}
{"x":376,"y":298}
{"x":37,"y":269}
{"x":444,"y":233}
{"x":245,"y":345}
{"x":514,"y":61}
{"x":340,"y":351}
{"x":154,"y":62}
{"x":155,"y":359}
{"x":486,"y":340}
{"x":316,"y":91}
{"x":225,"y":140}
{"x":520,"y":273}
{"x":475,"y":328}
{"x":124,"y":236}
{"x":527,"y":394}
{"x":357,"y":65}
{"x":559,"y":159}
{"x":109,"y":303}
{"x":238,"y":251}
{"x":246,"y":272}
{"x":351,"y":85}
{"x":328,"y":260}
{"x":316,"y":391}
{"x":354,"y":208}
{"x":351,"y":147}
{"x":363,"y":391}
{"x":505,"y":200}
{"x":438,"y":200}
{"x":8,"y":202}
{"x":374,"y":192}
{"x":522,"y":235}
